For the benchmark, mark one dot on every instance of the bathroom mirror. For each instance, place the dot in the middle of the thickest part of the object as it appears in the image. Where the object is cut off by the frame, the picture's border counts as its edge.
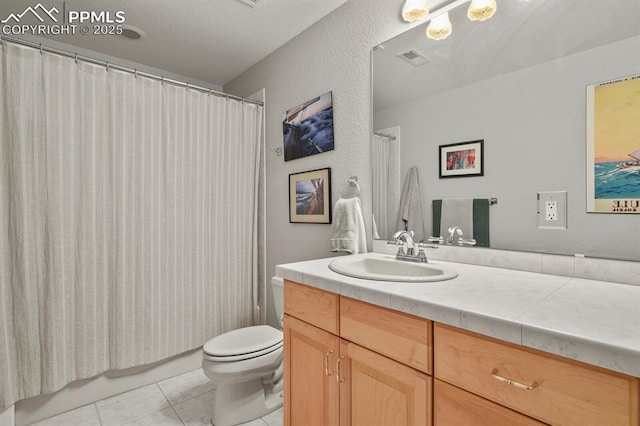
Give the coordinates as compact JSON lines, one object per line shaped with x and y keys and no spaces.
{"x":518,"y":82}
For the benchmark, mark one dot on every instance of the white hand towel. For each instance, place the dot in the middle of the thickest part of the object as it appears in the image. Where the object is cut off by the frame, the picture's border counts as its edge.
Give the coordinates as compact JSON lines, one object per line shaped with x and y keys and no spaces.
{"x":348,"y":227}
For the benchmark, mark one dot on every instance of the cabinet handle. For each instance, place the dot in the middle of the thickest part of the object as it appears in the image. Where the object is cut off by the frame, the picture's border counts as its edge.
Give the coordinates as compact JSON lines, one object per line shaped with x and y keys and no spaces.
{"x":338,"y":378}
{"x":326,"y":363}
{"x":494,"y":374}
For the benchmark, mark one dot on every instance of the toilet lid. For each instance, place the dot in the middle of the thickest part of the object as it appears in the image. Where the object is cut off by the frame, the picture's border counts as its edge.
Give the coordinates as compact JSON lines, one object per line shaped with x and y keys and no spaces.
{"x":242,"y":341}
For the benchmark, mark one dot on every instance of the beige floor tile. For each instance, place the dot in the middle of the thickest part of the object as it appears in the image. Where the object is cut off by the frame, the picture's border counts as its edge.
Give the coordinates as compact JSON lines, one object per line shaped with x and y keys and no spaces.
{"x":131,"y":405}
{"x":186,"y":386}
{"x":166,"y":417}
{"x":275,"y":418}
{"x":256,"y":422}
{"x":83,"y":416}
{"x":197,"y":411}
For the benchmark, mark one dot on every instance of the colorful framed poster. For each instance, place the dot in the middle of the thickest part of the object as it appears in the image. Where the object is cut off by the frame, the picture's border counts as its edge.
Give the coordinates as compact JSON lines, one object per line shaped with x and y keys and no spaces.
{"x":613,"y":146}
{"x":310,"y":196}
{"x":308,"y":128}
{"x":462,"y":159}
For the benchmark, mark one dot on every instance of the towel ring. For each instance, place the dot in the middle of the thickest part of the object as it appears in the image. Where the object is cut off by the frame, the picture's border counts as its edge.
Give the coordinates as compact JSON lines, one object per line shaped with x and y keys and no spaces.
{"x":352,"y":189}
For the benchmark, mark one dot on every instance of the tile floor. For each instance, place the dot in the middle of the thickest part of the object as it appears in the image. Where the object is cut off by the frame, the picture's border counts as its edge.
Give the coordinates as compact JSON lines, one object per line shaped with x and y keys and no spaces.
{"x":182,"y":400}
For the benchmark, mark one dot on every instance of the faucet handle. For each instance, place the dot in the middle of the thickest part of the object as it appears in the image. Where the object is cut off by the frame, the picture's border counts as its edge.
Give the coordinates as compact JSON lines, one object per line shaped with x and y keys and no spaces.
{"x":466,"y":242}
{"x":439,"y":240}
{"x":423,"y":245}
{"x":422,"y":257}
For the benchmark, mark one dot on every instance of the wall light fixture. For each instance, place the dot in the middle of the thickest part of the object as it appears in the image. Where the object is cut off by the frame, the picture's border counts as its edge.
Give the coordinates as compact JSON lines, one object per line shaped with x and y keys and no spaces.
{"x":414,"y":10}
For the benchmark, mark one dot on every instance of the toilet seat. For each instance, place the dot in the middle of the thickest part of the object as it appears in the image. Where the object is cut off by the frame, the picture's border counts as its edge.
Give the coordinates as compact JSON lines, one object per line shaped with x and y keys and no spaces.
{"x":243,"y":343}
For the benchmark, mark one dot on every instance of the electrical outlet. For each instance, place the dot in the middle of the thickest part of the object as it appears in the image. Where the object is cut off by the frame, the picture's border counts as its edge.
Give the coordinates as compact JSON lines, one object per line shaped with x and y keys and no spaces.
{"x":552,"y":210}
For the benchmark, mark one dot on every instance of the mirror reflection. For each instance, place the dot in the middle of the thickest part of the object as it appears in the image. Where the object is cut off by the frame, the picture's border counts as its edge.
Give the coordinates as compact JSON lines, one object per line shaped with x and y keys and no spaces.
{"x":517,"y":82}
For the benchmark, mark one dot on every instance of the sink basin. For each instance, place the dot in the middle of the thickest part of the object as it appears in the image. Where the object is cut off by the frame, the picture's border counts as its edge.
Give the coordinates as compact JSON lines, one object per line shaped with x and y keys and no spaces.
{"x":387,"y":268}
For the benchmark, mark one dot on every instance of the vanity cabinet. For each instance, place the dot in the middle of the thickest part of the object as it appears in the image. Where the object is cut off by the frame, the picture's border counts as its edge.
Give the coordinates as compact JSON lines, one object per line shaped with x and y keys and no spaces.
{"x":348,"y":362}
{"x":357,"y":364}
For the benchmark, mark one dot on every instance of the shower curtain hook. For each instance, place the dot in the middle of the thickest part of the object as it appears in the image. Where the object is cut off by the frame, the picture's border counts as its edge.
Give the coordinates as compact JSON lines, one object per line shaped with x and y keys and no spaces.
{"x":210,"y":90}
{"x":107,"y":66}
{"x":135,"y":74}
{"x":187,"y":88}
{"x":40,"y":48}
{"x":75,"y":58}
{"x":162,"y":80}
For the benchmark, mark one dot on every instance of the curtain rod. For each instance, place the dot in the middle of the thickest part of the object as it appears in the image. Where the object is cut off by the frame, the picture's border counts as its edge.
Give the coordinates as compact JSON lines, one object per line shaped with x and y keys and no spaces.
{"x":393,"y":138}
{"x":108,"y":65}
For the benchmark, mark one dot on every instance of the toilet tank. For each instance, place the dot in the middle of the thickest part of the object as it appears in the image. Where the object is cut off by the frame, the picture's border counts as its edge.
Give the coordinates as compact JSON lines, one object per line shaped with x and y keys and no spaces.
{"x":278,"y":298}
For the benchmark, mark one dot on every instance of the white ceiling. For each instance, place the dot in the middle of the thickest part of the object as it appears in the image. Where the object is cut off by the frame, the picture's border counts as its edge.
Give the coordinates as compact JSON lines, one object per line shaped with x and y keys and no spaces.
{"x":209,"y":40}
{"x":522,"y":33}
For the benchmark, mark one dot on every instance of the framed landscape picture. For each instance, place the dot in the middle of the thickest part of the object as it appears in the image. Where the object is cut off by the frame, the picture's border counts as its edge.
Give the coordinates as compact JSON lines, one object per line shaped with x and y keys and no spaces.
{"x":613,"y":146}
{"x":310,"y":196}
{"x":308,"y":128}
{"x":462,"y":159}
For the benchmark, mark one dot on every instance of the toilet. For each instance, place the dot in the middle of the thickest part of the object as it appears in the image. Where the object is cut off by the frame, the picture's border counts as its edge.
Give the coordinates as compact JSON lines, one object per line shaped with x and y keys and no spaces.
{"x":246,"y":366}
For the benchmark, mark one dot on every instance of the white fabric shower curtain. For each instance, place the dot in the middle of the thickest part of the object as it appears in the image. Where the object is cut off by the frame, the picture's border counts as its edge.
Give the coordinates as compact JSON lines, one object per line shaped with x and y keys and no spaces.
{"x":380,"y":174}
{"x":128,"y":219}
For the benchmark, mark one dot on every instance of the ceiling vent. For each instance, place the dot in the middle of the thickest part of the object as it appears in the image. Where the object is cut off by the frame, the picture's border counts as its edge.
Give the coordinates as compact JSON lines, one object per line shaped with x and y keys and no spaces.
{"x":131,"y":32}
{"x":414,"y":57}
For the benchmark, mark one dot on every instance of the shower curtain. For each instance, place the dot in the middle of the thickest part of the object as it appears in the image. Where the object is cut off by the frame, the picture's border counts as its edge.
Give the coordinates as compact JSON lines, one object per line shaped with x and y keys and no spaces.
{"x":128,"y":219}
{"x":380,"y":174}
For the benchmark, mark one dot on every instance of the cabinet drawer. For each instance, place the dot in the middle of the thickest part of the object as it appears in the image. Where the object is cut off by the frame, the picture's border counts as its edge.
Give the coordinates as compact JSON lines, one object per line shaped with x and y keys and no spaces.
{"x":312,"y":305}
{"x":399,"y":336}
{"x":549,"y":388}
{"x":454,"y":406}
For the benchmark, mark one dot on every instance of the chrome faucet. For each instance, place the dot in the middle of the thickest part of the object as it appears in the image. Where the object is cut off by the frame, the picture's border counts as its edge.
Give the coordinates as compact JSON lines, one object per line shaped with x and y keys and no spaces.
{"x":407,"y":248}
{"x":455,"y":237}
{"x":453,"y":231}
{"x":406,"y":238}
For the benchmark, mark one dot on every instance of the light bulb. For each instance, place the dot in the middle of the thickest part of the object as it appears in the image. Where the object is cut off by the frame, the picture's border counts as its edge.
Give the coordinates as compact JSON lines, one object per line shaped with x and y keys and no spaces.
{"x":414,"y":10}
{"x":440,"y":27}
{"x":480,"y":10}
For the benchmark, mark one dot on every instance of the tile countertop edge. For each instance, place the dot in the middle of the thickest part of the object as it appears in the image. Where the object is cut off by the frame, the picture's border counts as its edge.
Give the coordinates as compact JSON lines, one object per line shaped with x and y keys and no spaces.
{"x":316,"y":273}
{"x":601,"y":354}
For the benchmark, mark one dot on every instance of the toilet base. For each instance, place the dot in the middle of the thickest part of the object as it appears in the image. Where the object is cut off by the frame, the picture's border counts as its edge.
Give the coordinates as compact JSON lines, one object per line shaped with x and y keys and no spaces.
{"x":237,"y":403}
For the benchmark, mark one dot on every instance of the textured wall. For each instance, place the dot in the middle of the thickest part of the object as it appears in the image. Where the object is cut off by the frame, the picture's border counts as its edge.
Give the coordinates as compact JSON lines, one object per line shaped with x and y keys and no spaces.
{"x":333,"y":54}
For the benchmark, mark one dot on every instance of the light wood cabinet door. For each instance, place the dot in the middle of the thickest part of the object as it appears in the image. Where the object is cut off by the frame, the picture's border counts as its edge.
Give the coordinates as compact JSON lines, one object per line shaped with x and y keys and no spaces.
{"x":455,"y":407}
{"x":311,"y":391}
{"x":375,"y":390}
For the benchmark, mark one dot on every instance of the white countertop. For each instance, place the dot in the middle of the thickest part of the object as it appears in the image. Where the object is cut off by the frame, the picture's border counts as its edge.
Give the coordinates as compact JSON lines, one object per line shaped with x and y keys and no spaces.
{"x":591,"y":321}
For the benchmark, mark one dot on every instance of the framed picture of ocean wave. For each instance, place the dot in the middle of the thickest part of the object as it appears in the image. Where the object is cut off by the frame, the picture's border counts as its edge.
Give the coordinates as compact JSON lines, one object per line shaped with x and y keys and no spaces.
{"x":308,"y":128}
{"x":613,"y":146}
{"x":310,"y":196}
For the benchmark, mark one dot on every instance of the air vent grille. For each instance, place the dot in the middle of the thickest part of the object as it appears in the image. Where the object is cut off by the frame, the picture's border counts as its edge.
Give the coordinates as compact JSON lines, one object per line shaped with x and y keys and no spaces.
{"x":414,"y":57}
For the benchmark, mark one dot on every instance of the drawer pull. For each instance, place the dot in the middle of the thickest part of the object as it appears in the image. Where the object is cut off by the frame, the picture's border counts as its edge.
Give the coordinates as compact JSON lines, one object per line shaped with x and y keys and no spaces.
{"x":326,"y":363}
{"x":338,"y":378}
{"x":494,"y":374}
